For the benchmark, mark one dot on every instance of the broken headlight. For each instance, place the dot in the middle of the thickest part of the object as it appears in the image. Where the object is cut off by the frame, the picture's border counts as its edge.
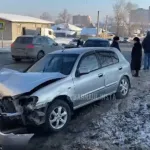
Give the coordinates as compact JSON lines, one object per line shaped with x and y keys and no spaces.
{"x":28,"y":102}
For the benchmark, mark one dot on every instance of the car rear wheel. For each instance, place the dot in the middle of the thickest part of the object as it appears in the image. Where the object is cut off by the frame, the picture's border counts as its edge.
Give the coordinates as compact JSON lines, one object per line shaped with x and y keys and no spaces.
{"x":58,"y":116}
{"x":40,"y":55}
{"x":123,"y":88}
{"x":17,"y":59}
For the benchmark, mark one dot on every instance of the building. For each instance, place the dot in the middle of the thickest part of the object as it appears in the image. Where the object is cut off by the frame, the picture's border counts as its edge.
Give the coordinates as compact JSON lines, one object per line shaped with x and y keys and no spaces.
{"x":82,"y":20}
{"x":89,"y":32}
{"x":140,"y":16}
{"x":12,"y":26}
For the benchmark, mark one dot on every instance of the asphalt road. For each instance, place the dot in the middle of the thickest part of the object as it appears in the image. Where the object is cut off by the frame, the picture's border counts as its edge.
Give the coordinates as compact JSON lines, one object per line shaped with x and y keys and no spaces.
{"x":27,"y":142}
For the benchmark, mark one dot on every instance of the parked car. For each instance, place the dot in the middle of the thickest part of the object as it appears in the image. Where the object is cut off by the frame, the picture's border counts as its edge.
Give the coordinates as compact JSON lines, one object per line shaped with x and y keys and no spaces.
{"x":32,"y":47}
{"x":96,"y":42}
{"x":50,"y":90}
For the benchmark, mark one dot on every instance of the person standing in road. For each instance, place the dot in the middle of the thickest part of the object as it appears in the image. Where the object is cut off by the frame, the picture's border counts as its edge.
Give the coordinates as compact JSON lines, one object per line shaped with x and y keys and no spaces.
{"x":115,"y":43}
{"x":79,"y":42}
{"x":136,"y":57}
{"x":146,"y":47}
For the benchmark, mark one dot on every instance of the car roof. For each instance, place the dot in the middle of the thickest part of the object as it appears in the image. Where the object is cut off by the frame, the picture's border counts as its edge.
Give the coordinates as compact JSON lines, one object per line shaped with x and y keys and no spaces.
{"x":83,"y":50}
{"x":26,"y":36}
{"x":31,"y":36}
{"x":97,"y":39}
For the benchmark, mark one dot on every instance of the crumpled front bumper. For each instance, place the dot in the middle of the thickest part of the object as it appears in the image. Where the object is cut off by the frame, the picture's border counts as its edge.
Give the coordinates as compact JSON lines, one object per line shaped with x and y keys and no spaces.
{"x":28,"y":115}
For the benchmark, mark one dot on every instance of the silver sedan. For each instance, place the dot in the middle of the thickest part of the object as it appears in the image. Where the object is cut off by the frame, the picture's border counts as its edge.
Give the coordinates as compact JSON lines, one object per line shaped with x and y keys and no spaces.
{"x":49,"y":91}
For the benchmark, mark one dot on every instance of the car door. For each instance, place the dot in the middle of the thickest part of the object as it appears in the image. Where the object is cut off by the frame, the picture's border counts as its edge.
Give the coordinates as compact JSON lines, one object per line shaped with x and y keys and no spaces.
{"x":110,"y":63}
{"x":53,"y":45}
{"x":46,"y":46}
{"x":38,"y":44}
{"x":88,"y":87}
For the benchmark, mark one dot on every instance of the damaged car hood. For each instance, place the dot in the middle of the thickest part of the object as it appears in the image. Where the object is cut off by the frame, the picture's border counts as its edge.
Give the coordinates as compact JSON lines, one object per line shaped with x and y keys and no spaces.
{"x":14,"y":83}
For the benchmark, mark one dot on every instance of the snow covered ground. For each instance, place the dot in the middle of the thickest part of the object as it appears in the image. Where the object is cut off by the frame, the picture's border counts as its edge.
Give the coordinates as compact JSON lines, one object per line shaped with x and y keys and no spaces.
{"x":63,"y":40}
{"x":5,"y":50}
{"x":109,"y":124}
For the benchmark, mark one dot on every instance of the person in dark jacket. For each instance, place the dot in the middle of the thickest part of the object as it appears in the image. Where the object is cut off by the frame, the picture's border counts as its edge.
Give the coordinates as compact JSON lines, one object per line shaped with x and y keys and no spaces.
{"x":115,"y":43}
{"x":79,"y":42}
{"x":136,"y":56}
{"x":146,"y":47}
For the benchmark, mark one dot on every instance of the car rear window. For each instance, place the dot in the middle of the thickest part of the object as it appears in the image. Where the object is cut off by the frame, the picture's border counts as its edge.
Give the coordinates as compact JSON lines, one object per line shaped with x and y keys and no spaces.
{"x":24,"y":40}
{"x":96,"y":43}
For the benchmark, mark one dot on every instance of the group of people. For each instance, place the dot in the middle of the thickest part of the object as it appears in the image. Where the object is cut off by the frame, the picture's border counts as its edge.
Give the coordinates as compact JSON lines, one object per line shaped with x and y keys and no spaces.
{"x":136,"y":54}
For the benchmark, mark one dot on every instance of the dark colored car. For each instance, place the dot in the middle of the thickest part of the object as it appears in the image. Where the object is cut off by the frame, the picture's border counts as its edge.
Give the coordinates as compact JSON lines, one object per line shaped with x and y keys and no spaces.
{"x":96,"y":42}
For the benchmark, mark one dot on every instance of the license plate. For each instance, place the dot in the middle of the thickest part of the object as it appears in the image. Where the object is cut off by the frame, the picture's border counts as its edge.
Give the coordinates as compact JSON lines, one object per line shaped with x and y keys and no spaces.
{"x":19,"y":49}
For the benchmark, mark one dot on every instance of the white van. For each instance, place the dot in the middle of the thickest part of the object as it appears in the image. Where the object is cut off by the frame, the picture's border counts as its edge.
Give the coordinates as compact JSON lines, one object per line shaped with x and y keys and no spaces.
{"x":41,"y":31}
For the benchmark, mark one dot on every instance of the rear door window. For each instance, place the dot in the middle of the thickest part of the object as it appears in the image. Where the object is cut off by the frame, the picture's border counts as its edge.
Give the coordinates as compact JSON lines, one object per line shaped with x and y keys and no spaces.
{"x":107,"y":58}
{"x":24,"y":40}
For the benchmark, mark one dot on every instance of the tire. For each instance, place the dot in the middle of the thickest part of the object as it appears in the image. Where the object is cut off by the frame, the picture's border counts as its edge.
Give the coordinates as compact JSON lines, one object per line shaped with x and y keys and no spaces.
{"x":57,"y":111}
{"x":123,"y":88}
{"x":40,"y":55}
{"x":17,"y":59}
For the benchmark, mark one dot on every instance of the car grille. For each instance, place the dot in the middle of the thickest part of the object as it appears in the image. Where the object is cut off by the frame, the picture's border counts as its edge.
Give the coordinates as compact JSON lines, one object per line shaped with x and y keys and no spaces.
{"x":7,"y":106}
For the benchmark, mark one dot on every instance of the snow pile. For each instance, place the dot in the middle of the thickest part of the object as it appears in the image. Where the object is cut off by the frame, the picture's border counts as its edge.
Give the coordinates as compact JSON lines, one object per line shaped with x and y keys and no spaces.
{"x":109,"y":124}
{"x":90,"y":31}
{"x":66,"y":26}
{"x":63,"y":40}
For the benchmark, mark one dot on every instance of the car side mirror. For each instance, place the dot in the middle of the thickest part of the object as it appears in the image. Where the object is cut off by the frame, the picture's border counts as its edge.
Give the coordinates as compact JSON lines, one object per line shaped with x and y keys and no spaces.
{"x":83,"y":71}
{"x":55,"y":44}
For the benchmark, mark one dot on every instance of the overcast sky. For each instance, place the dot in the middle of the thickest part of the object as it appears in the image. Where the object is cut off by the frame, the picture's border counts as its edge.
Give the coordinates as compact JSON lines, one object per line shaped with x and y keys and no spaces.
{"x":85,"y":7}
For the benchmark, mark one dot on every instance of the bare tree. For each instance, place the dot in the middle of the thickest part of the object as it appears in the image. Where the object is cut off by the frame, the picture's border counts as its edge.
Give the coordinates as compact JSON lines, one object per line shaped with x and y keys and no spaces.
{"x":119,"y":13}
{"x":110,"y":20}
{"x":64,"y":17}
{"x":128,"y":8}
{"x":122,"y":10}
{"x":46,"y":16}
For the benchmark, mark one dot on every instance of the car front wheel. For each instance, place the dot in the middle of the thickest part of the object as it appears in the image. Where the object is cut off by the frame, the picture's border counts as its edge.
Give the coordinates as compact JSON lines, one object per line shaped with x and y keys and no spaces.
{"x":40,"y":55}
{"x":58,"y":116}
{"x":17,"y":59}
{"x":123,"y":88}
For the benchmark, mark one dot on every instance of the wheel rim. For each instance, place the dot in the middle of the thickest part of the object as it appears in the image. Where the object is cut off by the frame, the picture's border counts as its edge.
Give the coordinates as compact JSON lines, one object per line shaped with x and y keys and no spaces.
{"x":124,"y":87}
{"x":58,"y":117}
{"x":40,"y":55}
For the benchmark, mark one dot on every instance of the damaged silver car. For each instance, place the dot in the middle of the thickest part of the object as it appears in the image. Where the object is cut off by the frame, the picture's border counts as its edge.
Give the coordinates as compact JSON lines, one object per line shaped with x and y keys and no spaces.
{"x":50,"y":90}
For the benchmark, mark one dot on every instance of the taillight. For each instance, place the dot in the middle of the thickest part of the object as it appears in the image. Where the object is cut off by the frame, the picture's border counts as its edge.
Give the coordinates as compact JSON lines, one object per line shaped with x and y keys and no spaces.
{"x":30,"y":46}
{"x":12,"y":45}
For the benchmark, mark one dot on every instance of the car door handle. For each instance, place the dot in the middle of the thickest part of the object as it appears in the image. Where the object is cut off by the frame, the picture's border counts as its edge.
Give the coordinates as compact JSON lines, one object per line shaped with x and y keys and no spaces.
{"x":100,"y":75}
{"x":120,"y":68}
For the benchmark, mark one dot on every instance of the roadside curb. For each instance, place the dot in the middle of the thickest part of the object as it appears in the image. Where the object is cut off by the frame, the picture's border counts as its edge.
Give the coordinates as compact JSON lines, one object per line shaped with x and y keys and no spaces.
{"x":4,"y":52}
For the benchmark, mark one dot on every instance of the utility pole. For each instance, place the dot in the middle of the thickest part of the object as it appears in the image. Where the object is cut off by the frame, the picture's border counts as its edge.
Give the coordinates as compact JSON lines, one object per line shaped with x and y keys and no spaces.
{"x":98,"y":24}
{"x":106,"y":23}
{"x":2,"y":34}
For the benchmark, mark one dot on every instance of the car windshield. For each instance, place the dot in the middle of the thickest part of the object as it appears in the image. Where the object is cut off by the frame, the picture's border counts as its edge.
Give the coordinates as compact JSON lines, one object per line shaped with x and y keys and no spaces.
{"x":96,"y":43}
{"x":62,"y":63}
